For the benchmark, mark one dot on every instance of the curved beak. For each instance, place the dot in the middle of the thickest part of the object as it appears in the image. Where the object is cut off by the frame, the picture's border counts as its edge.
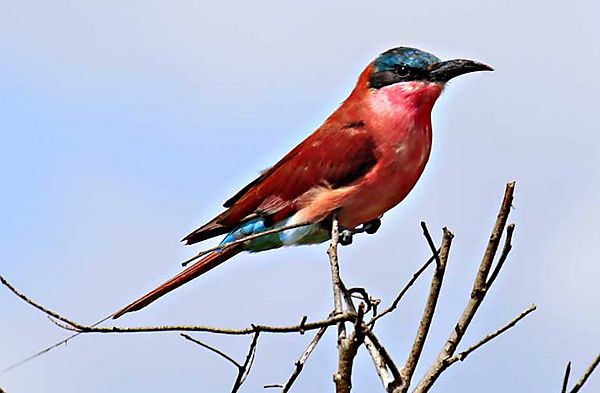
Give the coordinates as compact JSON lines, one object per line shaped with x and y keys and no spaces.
{"x":446,"y":70}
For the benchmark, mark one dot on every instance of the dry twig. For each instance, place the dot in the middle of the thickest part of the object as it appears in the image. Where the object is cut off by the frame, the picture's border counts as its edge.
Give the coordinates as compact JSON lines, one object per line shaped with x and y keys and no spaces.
{"x":585,"y":375}
{"x":243,"y":369}
{"x":463,"y":355}
{"x":78,"y":327}
{"x":434,"y":293}
{"x":299,"y":365}
{"x":480,"y":288}
{"x":566,"y":378}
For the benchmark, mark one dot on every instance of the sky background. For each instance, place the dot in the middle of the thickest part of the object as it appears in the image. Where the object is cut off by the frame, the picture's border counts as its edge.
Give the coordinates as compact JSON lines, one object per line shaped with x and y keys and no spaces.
{"x":126,"y":124}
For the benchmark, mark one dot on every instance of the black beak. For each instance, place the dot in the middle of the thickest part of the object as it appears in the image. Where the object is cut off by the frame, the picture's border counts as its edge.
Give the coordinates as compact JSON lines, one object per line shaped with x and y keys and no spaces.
{"x":446,"y":70}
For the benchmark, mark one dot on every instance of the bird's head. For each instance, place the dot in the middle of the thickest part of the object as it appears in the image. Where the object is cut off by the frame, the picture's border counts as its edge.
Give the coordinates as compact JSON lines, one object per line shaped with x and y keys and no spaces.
{"x":407,"y":73}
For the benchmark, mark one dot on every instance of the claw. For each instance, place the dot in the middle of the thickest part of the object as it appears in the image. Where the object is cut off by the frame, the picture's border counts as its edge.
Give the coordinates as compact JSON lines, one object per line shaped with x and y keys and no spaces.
{"x":345,"y":238}
{"x":372,"y":226}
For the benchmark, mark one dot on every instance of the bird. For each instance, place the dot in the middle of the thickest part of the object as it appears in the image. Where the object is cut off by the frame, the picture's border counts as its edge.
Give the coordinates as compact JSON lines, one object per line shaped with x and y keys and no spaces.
{"x":361,"y":162}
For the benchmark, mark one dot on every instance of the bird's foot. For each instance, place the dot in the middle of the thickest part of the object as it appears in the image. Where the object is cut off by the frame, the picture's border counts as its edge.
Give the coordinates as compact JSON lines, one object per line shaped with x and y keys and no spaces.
{"x":372,"y":226}
{"x":346,"y":236}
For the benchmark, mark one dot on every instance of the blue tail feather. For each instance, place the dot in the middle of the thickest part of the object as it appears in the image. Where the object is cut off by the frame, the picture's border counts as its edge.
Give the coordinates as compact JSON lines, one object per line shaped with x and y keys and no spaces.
{"x":310,"y":234}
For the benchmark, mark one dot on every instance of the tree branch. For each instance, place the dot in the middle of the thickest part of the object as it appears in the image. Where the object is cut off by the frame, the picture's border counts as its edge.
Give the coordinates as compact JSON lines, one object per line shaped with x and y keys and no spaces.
{"x":463,"y":355}
{"x":477,"y":294}
{"x":243,"y":369}
{"x":566,"y":378}
{"x":72,"y":325}
{"x":434,"y":293}
{"x":347,"y":346}
{"x":404,"y":290}
{"x":299,"y":365}
{"x":586,"y":375}
{"x":212,"y":349}
{"x":387,"y":359}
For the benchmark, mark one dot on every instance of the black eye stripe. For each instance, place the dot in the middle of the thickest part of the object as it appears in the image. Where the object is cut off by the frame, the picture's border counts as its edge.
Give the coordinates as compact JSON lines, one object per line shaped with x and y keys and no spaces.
{"x":396,"y":73}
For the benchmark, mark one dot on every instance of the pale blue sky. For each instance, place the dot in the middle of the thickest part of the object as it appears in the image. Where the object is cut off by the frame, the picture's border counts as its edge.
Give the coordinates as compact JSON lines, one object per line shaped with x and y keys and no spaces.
{"x":126,"y":124}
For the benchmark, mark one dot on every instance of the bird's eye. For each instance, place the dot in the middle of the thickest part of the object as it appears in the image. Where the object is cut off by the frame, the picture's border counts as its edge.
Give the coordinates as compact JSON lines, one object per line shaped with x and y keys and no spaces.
{"x":403,"y":71}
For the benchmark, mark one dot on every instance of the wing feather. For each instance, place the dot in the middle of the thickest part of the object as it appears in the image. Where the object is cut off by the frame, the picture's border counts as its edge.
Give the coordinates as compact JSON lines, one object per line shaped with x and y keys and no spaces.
{"x":332,"y":156}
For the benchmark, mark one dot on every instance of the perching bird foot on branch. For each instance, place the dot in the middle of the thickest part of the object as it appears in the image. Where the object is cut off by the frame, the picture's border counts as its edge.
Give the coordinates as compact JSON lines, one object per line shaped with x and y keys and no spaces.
{"x":346,"y":236}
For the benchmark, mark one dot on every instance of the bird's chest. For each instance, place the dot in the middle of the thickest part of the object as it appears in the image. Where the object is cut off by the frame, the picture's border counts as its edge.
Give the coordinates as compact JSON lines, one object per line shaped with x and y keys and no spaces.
{"x":409,"y":151}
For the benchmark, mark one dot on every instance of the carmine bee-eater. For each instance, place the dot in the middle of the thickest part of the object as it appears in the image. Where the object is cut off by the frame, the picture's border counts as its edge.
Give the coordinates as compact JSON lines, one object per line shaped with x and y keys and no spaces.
{"x":360,"y":163}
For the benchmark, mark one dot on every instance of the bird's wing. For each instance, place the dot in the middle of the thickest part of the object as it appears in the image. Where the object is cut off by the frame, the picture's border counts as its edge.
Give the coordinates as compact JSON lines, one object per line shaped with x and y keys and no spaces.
{"x":334,"y":156}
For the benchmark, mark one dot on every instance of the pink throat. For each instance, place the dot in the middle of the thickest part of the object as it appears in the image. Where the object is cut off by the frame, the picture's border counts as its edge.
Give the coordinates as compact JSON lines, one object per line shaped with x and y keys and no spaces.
{"x":417,"y":96}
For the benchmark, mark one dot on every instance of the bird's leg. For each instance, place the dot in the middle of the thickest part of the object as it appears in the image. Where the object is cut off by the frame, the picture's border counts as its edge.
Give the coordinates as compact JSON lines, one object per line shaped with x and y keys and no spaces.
{"x":369,"y":227}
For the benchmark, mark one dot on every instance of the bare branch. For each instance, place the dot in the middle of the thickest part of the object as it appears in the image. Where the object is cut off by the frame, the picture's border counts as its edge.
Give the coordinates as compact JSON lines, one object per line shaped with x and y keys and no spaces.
{"x":490,"y":252}
{"x":51,"y":314}
{"x":300,"y":362}
{"x":434,"y":293}
{"x":477,"y":294}
{"x":404,"y":290}
{"x":380,"y":365}
{"x":387,"y":359}
{"x":586,"y":375}
{"x":463,"y":355}
{"x":81,"y":328}
{"x":566,"y":378}
{"x":347,"y":346}
{"x":336,"y":281}
{"x":505,"y":251}
{"x":245,"y":370}
{"x":212,"y":329}
{"x":211,"y":348}
{"x":347,"y":353}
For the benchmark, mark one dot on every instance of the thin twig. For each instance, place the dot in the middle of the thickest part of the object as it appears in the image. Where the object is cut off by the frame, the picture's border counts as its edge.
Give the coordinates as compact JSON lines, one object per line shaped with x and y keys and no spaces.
{"x":566,"y":378}
{"x":299,"y":365}
{"x":494,"y":242}
{"x":211,"y":348}
{"x":245,"y":369}
{"x":430,"y":242}
{"x":463,"y":355}
{"x":51,"y":314}
{"x":477,"y":295}
{"x":404,"y":290}
{"x":385,"y":355}
{"x":380,"y":364}
{"x":212,"y":329}
{"x":222,"y":247}
{"x":505,"y":251}
{"x":81,"y":328}
{"x":429,"y":310}
{"x":586,"y":375}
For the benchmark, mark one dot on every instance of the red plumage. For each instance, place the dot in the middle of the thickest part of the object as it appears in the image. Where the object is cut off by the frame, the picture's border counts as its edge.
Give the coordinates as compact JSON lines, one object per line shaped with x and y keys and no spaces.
{"x":361,"y":162}
{"x":335,"y":155}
